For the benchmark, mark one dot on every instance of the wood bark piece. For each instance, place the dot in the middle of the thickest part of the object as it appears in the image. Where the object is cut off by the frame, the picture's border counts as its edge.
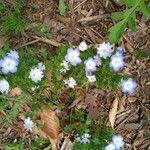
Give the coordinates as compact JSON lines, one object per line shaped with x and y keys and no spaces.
{"x":93,"y":18}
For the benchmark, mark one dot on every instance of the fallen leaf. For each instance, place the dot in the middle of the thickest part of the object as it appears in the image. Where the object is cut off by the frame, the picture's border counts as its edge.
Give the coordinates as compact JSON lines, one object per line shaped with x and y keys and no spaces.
{"x":113,"y":112}
{"x":50,"y":126}
{"x":15,"y":92}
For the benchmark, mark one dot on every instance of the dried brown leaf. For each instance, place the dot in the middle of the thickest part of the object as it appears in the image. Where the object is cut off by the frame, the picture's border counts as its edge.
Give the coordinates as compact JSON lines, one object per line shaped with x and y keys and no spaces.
{"x":50,"y":126}
{"x":15,"y":92}
{"x":113,"y":112}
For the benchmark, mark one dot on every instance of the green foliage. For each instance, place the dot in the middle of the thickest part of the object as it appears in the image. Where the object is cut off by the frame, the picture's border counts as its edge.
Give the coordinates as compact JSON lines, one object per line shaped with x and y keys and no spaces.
{"x":54,"y":68}
{"x":107,"y":78}
{"x":99,"y":139}
{"x":127,"y":18}
{"x":5,"y":49}
{"x":77,"y":122}
{"x":14,"y":145}
{"x":43,"y":53}
{"x":39,"y":143}
{"x":62,"y":7}
{"x":10,"y":106}
{"x":141,"y":53}
{"x":42,"y":30}
{"x":36,"y":144}
{"x":13,"y":21}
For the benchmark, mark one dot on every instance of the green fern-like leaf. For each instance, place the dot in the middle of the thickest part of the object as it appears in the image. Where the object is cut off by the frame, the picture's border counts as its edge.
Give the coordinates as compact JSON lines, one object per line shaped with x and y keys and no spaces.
{"x":14,"y":23}
{"x":116,"y":31}
{"x":129,"y":2}
{"x":117,"y":16}
{"x":127,"y":18}
{"x":132,"y":23}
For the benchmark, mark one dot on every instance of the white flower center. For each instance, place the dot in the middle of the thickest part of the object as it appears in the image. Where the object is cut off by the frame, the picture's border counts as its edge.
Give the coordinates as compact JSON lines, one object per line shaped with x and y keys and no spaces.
{"x":90,"y":64}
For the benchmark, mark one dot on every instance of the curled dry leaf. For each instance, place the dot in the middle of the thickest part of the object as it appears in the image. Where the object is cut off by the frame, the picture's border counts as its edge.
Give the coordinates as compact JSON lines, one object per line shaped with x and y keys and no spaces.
{"x":50,"y":127}
{"x":113,"y":112}
{"x":15,"y":92}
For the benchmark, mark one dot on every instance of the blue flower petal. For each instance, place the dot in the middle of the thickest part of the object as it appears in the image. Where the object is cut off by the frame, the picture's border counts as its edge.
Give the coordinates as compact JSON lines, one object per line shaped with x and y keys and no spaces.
{"x":5,"y":71}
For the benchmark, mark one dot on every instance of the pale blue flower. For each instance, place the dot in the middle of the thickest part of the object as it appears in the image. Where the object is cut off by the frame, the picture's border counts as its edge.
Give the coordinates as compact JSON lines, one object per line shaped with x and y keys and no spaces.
{"x":110,"y":146}
{"x":84,"y":139}
{"x":98,"y":59}
{"x":71,"y":82}
{"x":1,"y":61}
{"x":83,"y":46}
{"x":8,"y":64}
{"x":14,"y":54}
{"x":28,"y":124}
{"x":118,"y":141}
{"x":105,"y":50}
{"x":117,"y":62}
{"x":128,"y":86}
{"x":4,"y":86}
{"x":36,"y":74}
{"x":90,"y":65}
{"x":119,"y":51}
{"x":72,"y":56}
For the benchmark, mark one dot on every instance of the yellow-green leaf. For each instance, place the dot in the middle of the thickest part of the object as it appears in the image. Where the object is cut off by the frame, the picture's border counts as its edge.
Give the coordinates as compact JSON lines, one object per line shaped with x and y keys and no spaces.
{"x":62,"y":7}
{"x":116,"y":31}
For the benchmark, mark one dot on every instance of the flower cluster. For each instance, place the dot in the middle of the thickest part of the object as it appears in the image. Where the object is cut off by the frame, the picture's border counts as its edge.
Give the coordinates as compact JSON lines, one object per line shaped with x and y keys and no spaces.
{"x":116,"y":144}
{"x":84,"y":139}
{"x":36,"y":74}
{"x":8,"y":64}
{"x":104,"y":50}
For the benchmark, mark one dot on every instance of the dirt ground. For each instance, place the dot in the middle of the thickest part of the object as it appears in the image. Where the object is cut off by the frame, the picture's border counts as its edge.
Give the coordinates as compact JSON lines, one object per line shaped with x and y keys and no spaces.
{"x":82,"y":22}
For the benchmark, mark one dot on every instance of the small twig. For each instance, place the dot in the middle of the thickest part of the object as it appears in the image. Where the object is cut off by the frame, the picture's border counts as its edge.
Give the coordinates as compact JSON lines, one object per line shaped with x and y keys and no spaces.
{"x":93,"y":18}
{"x":80,"y":4}
{"x":26,"y":44}
{"x":107,"y":2}
{"x":127,"y":40}
{"x":48,"y":41}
